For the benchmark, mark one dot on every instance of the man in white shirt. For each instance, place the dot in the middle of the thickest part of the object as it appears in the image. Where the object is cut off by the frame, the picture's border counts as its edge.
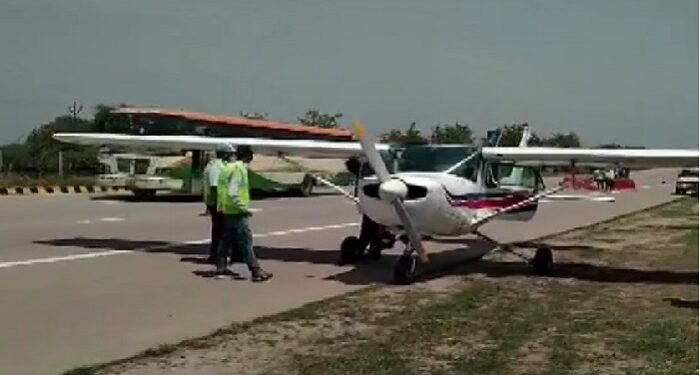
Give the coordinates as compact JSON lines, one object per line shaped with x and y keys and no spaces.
{"x":210,"y":179}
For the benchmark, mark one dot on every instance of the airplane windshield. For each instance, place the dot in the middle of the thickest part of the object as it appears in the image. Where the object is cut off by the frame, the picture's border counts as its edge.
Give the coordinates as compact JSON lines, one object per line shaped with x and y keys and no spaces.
{"x":432,"y":158}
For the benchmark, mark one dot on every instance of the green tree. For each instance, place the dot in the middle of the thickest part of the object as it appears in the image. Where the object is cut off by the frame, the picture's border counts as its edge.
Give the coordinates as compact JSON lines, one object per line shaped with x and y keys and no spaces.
{"x":314,"y":117}
{"x":511,"y":135}
{"x":568,"y":140}
{"x":103,"y":116}
{"x":454,"y":134}
{"x":409,"y":136}
{"x":39,"y":151}
{"x":44,"y":149}
{"x":14,"y":156}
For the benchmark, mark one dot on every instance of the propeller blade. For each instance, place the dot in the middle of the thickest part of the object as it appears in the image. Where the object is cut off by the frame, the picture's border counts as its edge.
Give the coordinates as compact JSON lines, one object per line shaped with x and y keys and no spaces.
{"x":377,"y":163}
{"x":373,"y":156}
{"x":413,"y":235}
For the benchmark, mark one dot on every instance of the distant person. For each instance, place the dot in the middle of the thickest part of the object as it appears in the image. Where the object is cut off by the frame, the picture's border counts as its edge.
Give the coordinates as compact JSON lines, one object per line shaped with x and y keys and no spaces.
{"x":599,"y":179}
{"x":209,"y":190}
{"x":609,"y":179}
{"x":233,"y":202}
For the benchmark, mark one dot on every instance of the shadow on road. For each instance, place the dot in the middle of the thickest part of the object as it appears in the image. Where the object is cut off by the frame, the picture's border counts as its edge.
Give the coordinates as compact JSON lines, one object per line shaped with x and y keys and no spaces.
{"x":447,"y":262}
{"x":178,"y":198}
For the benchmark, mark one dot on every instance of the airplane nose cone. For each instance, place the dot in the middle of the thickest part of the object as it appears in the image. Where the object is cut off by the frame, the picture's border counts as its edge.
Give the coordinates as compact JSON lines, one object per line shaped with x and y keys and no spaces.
{"x":392,"y":189}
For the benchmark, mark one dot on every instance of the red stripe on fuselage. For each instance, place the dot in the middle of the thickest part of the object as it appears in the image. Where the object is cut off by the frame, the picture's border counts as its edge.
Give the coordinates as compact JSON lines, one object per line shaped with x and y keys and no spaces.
{"x":499,"y":202}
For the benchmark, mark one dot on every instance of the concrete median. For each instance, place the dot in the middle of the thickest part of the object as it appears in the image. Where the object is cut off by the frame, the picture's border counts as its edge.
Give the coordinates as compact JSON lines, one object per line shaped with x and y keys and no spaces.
{"x":60,"y":189}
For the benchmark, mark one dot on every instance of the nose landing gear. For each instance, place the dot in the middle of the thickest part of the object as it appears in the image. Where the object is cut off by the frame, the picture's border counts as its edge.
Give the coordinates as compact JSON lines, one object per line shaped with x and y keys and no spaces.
{"x":405,"y":270}
{"x":405,"y":266}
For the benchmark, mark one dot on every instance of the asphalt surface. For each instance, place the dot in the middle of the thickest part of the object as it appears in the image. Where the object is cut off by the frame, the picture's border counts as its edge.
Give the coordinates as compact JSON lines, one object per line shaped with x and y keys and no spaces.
{"x":86,"y":279}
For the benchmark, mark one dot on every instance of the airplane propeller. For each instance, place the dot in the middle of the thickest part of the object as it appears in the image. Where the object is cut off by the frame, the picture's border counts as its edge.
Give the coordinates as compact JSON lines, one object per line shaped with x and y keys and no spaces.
{"x":391,"y":190}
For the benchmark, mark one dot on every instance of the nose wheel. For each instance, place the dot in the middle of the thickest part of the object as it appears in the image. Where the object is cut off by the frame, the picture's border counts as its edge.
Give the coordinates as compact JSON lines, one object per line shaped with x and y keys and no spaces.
{"x":405,"y":266}
{"x":405,"y":270}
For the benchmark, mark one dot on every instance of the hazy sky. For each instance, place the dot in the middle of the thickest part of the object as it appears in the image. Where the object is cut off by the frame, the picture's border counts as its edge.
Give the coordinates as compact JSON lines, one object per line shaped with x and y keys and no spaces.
{"x":612,"y":70}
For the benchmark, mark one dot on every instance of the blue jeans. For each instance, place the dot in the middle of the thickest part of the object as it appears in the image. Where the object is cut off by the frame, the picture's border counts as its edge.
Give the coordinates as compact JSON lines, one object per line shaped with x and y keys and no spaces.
{"x":236,"y":235}
{"x":215,"y":231}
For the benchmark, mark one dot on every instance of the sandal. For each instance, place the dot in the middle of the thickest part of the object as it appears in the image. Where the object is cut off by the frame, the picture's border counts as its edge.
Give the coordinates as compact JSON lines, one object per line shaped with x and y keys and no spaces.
{"x":260,"y":275}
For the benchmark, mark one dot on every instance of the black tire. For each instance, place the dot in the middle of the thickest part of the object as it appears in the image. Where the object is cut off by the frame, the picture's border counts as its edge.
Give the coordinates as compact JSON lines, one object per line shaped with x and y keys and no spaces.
{"x":142,"y":194}
{"x":405,"y":270}
{"x":543,"y":261}
{"x":350,"y":250}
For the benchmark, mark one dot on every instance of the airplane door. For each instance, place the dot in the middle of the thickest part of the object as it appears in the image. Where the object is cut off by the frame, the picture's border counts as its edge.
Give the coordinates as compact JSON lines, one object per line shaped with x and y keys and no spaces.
{"x":518,"y":181}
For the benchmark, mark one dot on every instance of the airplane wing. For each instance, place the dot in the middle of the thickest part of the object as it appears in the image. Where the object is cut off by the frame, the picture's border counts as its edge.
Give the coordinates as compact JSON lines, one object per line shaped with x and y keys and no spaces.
{"x":579,"y":197}
{"x":264,"y":146}
{"x":585,"y":156}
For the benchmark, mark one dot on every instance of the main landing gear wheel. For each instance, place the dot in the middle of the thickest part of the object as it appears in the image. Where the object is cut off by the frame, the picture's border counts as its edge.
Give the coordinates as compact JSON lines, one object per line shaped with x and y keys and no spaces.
{"x":405,"y":270}
{"x":543,"y":261}
{"x":350,"y":250}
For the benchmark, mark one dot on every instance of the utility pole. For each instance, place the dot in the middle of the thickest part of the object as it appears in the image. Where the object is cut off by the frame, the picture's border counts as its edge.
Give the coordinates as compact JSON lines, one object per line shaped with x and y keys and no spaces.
{"x":60,"y":163}
{"x":75,"y":109}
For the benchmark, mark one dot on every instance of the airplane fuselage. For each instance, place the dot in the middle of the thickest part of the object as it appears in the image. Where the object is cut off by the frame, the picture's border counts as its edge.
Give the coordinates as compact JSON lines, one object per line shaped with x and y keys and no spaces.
{"x":443,"y":204}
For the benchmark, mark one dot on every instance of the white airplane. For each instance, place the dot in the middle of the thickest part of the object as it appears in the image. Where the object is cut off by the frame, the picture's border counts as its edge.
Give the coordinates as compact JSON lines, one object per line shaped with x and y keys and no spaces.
{"x":454,"y":202}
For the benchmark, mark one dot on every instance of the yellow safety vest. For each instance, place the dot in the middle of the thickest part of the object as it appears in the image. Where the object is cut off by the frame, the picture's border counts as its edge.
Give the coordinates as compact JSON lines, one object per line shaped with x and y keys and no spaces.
{"x":225,"y":204}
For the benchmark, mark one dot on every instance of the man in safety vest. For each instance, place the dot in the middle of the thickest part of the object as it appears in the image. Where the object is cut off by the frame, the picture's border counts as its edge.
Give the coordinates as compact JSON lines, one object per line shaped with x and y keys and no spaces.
{"x":233,"y":201}
{"x":209,"y":182}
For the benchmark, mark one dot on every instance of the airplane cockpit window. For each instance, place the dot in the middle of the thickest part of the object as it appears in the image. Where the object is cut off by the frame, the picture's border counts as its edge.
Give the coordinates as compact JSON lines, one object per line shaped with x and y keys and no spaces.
{"x":467,"y":170}
{"x":433,"y":158}
{"x":513,"y":175}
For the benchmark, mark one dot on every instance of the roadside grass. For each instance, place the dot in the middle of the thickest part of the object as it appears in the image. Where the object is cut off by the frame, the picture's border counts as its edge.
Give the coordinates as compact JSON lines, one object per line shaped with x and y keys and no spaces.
{"x":471,"y":323}
{"x":487,"y":328}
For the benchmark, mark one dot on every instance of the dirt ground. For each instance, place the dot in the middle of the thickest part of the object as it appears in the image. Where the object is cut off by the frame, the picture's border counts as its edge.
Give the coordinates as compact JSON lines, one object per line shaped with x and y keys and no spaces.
{"x":622,"y":298}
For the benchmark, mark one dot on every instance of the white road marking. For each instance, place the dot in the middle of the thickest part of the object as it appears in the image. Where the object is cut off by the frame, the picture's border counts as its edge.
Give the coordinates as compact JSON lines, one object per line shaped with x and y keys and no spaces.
{"x":64,"y":258}
{"x":304,"y":230}
{"x":96,"y":254}
{"x":104,"y":219}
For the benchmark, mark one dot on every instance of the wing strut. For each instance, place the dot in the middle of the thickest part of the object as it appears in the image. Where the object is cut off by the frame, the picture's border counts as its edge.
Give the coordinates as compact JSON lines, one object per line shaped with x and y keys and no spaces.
{"x":318,"y":178}
{"x":483,"y":220}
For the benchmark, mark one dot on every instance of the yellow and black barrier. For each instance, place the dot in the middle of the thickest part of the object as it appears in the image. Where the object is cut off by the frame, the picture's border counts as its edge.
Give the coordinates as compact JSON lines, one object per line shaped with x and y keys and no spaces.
{"x":59,"y":189}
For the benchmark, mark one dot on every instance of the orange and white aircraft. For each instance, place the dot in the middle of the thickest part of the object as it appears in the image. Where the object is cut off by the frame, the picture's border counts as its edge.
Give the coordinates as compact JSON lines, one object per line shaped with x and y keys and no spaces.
{"x":491,"y":183}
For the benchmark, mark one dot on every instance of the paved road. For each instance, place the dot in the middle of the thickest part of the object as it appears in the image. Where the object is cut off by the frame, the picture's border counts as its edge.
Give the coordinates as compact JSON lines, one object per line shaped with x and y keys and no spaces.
{"x":86,"y":280}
